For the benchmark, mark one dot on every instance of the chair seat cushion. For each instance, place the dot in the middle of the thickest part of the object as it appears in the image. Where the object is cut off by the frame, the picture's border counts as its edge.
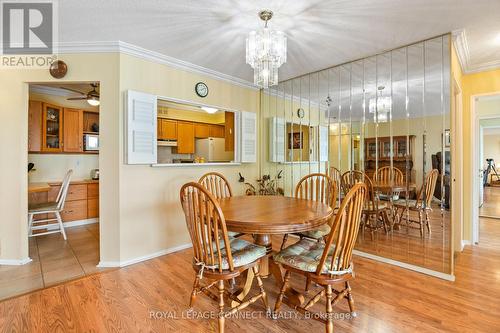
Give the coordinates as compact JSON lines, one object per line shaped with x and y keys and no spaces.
{"x":386,"y":197}
{"x":370,"y":205}
{"x":42,"y":207}
{"x":305,"y":256}
{"x":317,"y":233}
{"x":243,"y":253}
{"x":402,"y":203}
{"x":234,"y":234}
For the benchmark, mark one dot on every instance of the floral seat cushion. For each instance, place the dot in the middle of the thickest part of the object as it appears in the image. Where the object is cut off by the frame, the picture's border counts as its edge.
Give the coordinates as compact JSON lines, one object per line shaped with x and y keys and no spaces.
{"x":233,"y":234}
{"x":372,"y":205}
{"x":305,"y":255}
{"x":317,"y":233}
{"x":386,"y":197}
{"x":402,"y":203}
{"x":243,"y":253}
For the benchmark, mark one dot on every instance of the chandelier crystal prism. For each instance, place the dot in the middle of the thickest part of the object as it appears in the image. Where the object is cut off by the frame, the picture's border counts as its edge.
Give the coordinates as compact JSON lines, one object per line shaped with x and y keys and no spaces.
{"x":266,"y":52}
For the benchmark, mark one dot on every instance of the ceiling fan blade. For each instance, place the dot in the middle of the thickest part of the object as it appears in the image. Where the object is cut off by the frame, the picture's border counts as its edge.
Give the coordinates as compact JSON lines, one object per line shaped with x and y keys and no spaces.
{"x":73,"y":90}
{"x":76,"y":98}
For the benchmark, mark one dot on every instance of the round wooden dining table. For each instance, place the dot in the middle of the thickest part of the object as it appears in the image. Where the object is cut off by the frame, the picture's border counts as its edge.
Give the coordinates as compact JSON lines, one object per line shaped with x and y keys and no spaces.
{"x":263,"y":216}
{"x":391,"y":186}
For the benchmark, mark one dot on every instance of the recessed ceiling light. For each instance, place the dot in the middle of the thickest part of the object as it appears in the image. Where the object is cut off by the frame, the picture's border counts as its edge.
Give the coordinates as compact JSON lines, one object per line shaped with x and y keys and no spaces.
{"x":209,"y":109}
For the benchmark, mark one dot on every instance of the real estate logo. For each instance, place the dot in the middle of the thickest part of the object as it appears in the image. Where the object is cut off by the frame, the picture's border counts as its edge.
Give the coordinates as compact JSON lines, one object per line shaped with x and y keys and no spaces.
{"x":29,"y":33}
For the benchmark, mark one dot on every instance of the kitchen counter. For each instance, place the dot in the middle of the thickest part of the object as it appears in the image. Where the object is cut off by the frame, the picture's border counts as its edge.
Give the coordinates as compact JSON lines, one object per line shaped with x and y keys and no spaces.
{"x":77,"y":182}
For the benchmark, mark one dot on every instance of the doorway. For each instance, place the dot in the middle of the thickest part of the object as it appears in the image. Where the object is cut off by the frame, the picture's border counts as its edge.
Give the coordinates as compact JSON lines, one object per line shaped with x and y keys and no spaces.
{"x":486,"y":156}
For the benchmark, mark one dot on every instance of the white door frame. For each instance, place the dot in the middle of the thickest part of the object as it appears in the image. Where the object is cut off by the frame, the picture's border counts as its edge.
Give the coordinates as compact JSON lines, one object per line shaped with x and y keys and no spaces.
{"x":475,"y":161}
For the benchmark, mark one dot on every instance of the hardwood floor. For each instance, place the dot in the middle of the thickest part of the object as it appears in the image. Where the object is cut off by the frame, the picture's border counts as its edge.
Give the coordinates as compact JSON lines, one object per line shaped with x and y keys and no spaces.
{"x":54,"y":261}
{"x":491,"y":205}
{"x":387,"y":298}
{"x":406,"y":245}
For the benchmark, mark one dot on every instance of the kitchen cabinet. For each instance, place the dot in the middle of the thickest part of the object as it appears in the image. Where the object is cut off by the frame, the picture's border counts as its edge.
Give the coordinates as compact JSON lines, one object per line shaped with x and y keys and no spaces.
{"x":216,"y":131}
{"x":52,"y":128}
{"x":229,"y":131}
{"x":201,"y":131}
{"x":73,"y":131}
{"x":82,"y":200}
{"x":185,"y":138}
{"x":35,"y":126}
{"x":167,"y":129}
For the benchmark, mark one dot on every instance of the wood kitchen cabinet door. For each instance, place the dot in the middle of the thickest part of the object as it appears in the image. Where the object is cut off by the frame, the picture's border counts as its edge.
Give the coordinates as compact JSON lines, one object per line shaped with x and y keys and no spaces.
{"x":52,"y":128}
{"x":185,"y":138}
{"x":34,"y":126}
{"x":216,"y":131}
{"x":201,"y":131}
{"x":229,"y":131}
{"x":73,"y":131}
{"x":168,"y":129}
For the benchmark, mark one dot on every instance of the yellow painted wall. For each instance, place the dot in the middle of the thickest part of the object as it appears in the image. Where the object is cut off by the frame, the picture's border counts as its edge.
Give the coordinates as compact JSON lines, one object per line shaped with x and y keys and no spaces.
{"x":202,"y":117}
{"x":472,"y":85}
{"x":13,"y":147}
{"x":151,"y":218}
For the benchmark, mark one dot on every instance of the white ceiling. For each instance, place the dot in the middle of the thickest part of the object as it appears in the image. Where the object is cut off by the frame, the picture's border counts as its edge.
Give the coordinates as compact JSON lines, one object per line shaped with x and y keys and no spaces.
{"x":321,"y":33}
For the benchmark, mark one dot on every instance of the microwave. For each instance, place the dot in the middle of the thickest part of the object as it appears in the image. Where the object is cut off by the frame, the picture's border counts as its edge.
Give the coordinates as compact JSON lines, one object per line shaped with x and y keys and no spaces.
{"x":90,"y":142}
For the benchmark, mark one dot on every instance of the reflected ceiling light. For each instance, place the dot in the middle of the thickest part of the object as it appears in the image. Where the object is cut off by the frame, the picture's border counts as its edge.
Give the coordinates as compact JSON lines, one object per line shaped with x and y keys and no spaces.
{"x":380,"y":106}
{"x":266,"y":52}
{"x":209,"y":109}
{"x":93,"y":100}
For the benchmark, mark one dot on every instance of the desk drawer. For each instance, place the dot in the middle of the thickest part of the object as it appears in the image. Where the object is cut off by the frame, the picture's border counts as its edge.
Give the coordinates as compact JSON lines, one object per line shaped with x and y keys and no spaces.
{"x":74,"y":210}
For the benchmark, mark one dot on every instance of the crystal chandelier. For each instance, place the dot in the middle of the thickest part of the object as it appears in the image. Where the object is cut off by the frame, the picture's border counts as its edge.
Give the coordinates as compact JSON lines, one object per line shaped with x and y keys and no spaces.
{"x":380,"y":107}
{"x":266,"y":52}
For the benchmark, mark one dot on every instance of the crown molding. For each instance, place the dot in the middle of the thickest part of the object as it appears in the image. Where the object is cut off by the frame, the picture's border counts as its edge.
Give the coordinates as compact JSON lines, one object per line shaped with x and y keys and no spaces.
{"x":462,"y":49}
{"x":142,"y":53}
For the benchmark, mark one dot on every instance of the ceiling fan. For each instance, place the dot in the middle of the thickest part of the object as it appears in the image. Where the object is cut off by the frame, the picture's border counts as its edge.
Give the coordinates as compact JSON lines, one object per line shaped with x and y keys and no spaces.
{"x":92,"y":97}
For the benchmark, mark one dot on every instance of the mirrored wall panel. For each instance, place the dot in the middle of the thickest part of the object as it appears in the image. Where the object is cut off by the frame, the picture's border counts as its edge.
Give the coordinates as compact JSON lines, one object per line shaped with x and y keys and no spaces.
{"x":383,"y":120}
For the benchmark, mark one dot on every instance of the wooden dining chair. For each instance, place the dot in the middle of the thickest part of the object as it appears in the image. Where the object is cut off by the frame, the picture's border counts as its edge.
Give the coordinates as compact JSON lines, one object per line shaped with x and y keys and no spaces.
{"x":217,"y":257}
{"x":218,"y":185}
{"x":422,"y":205}
{"x":336,"y":175}
{"x":317,"y":187}
{"x":389,"y":174}
{"x":375,"y":215}
{"x":327,"y":264}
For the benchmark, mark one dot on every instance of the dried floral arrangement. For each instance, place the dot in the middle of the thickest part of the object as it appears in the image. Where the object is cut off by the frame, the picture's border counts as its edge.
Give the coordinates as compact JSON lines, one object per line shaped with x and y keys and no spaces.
{"x":265,"y":186}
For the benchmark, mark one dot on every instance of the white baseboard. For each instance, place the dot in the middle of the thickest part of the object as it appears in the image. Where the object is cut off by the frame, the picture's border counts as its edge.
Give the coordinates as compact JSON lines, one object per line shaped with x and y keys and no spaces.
{"x":77,"y":223}
{"x":444,"y":276}
{"x":107,"y":264}
{"x":465,"y":242}
{"x":14,"y":262}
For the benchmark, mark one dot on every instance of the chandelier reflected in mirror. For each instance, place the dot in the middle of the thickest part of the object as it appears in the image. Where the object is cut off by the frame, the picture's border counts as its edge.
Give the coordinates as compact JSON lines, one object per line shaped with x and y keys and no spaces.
{"x":266,"y":52}
{"x":380,"y":106}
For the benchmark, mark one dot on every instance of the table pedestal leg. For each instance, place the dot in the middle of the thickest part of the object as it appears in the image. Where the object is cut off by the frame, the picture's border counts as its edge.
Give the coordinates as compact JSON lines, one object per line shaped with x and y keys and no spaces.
{"x":264,"y":240}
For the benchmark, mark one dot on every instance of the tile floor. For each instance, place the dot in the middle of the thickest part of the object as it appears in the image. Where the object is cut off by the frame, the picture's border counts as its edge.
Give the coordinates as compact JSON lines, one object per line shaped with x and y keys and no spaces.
{"x":54,"y":261}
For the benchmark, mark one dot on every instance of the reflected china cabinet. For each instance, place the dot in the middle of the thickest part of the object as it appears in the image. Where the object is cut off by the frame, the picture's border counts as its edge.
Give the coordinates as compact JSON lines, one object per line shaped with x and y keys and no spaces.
{"x":381,"y":150}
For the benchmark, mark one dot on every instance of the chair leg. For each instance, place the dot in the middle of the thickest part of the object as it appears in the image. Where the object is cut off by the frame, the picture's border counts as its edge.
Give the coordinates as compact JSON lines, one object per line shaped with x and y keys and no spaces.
{"x":61,"y":226}
{"x":329,"y":309}
{"x":427,"y":221}
{"x":350,"y":299}
{"x":285,"y":238}
{"x":261,"y":287}
{"x":30,"y":224}
{"x":222,"y":318}
{"x":193,"y":293}
{"x":385,"y":220}
{"x":279,"y":300}
{"x":421,"y":223}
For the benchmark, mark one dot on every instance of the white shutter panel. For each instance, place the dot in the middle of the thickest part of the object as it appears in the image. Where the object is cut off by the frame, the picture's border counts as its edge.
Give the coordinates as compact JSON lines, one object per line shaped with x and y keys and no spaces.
{"x":277,"y":139}
{"x":323,"y":143}
{"x":141,"y":128}
{"x":248,"y":137}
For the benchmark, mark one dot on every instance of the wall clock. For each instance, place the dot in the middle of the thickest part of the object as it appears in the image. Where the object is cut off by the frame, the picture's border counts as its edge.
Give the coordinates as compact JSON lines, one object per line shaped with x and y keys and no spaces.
{"x":201,"y":89}
{"x":300,"y":113}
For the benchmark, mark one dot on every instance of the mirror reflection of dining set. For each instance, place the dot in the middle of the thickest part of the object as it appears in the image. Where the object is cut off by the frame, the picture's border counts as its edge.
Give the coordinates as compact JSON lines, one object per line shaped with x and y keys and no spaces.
{"x":232,"y":236}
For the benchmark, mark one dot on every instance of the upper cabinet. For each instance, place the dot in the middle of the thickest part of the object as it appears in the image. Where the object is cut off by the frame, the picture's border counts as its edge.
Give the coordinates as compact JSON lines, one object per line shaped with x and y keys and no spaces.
{"x":185,"y":138}
{"x":167,"y":129}
{"x":73,"y":131}
{"x":216,"y":131}
{"x":52,"y":129}
{"x":201,"y":131}
{"x":34,"y":126}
